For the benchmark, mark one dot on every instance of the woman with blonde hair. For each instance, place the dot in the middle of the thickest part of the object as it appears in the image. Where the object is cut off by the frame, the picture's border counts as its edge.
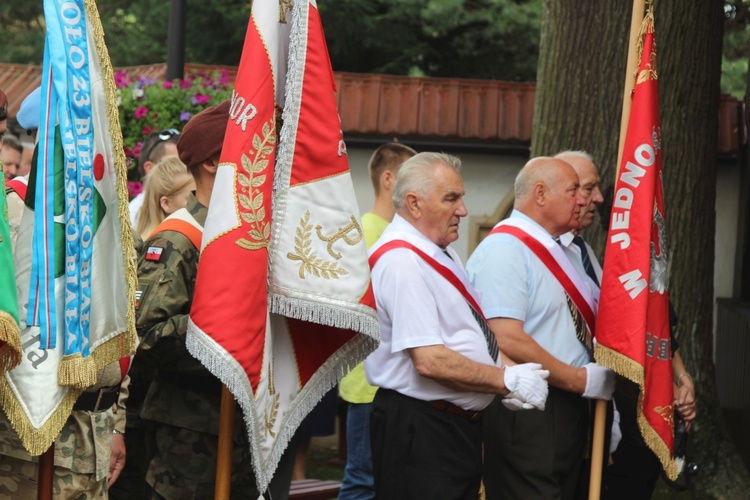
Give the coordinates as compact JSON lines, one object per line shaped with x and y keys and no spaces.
{"x":167,"y":188}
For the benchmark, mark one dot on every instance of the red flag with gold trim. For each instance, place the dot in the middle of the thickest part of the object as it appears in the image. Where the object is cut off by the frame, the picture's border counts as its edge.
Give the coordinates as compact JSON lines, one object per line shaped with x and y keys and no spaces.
{"x":633,"y":336}
{"x":283,"y":305}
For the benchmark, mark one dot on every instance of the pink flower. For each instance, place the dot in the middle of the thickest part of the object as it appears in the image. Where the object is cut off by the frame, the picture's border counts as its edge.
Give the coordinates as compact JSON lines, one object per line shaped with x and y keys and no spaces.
{"x":128,"y":151}
{"x":137,"y":149}
{"x":122,"y":79}
{"x":184,"y":84}
{"x":146,"y":130}
{"x":166,"y":85}
{"x":198,"y":99}
{"x":141,"y":111}
{"x":134,"y":188}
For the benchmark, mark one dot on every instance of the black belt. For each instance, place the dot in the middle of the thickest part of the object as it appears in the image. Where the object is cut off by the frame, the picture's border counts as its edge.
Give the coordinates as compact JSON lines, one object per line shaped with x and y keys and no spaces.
{"x":447,"y":407}
{"x":97,"y":401}
{"x":190,"y":382}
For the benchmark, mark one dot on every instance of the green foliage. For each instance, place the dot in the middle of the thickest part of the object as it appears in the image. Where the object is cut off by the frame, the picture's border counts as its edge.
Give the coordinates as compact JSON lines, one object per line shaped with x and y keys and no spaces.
{"x":489,"y":39}
{"x":148,"y":105}
{"x":735,"y":52}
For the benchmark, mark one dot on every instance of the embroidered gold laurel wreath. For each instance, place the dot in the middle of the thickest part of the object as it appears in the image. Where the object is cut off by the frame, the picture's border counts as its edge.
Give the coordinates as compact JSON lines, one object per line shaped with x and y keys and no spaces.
{"x":309,"y":262}
{"x":271,"y":413}
{"x":649,"y":73}
{"x":666,"y":412}
{"x":251,"y":199}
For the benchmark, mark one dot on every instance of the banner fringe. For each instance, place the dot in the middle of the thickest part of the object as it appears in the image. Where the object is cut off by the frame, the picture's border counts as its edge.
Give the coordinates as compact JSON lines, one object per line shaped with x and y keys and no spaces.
{"x":10,"y":334}
{"x":129,"y":256}
{"x":76,"y":371}
{"x":222,"y":365}
{"x":633,"y":371}
{"x":323,"y":314}
{"x":647,"y":26}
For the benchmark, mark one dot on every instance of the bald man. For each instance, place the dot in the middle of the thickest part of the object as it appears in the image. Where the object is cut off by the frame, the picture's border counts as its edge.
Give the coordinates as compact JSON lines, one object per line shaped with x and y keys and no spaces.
{"x":520,"y":270}
{"x":579,"y":252}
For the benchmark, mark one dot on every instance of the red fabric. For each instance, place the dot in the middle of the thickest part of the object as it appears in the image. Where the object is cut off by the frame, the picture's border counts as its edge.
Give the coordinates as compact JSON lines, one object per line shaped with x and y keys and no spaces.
{"x":634,"y":321}
{"x":548,"y":260}
{"x":19,"y":187}
{"x":220,"y":280}
{"x":444,"y":271}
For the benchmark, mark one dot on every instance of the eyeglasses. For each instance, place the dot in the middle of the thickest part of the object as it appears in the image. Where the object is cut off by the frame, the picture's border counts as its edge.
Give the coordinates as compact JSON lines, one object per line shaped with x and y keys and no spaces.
{"x":162,"y":135}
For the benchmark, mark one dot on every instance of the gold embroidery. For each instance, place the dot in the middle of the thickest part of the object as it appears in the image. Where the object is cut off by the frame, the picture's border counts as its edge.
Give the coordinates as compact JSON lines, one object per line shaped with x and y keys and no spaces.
{"x":309,"y":262}
{"x":273,"y":412}
{"x":341,"y":234}
{"x":253,"y":201}
{"x":666,"y":412}
{"x":284,"y":7}
{"x":650,"y":72}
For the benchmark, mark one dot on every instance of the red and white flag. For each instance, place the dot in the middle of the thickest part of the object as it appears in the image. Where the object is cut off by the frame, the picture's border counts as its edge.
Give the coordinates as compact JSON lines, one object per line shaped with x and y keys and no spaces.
{"x":283,"y":304}
{"x":633,"y":336}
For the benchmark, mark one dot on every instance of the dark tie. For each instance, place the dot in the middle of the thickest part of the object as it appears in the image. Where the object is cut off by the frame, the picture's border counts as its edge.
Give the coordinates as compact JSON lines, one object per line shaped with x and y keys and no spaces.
{"x":489,"y":335}
{"x":587,"y":265}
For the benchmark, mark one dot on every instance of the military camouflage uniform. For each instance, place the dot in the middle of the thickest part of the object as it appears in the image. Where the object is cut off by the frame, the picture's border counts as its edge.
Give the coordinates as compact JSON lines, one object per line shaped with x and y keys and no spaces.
{"x":182,"y":405}
{"x":82,"y":451}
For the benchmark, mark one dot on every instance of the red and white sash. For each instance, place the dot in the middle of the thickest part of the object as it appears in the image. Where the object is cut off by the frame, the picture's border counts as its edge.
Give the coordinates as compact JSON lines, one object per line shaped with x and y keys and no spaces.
{"x":553,"y":257}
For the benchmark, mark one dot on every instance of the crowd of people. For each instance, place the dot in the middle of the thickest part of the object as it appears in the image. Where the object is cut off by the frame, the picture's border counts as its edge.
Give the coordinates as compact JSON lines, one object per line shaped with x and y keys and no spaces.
{"x":484,"y":374}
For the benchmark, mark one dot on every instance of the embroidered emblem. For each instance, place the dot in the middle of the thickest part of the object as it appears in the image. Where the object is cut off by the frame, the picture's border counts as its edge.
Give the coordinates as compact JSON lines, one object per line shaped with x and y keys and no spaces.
{"x":649,"y":73}
{"x":139,"y":294}
{"x":271,"y":413}
{"x":666,"y":412}
{"x":341,"y":234}
{"x":251,"y":199}
{"x":309,"y":262}
{"x":342,"y":144}
{"x":284,"y":7}
{"x":154,"y":253}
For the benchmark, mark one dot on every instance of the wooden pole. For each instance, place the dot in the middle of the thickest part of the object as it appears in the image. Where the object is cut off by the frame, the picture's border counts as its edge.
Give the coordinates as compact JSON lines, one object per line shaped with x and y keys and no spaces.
{"x":600,"y":413}
{"x":226,"y":444}
{"x":45,"y":474}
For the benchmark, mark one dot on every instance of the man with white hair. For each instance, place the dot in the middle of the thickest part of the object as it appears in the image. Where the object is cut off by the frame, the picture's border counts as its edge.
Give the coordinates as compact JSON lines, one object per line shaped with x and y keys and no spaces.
{"x":438,"y":365}
{"x":542,"y":311}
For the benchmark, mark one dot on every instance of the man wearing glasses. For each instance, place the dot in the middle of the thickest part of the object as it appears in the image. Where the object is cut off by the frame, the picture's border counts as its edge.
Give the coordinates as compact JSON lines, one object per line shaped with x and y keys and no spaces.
{"x":156,"y":146}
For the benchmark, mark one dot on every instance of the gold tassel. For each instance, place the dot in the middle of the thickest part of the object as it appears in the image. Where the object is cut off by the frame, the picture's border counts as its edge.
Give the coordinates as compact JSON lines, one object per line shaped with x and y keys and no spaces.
{"x":10,"y":352}
{"x":76,"y":371}
{"x":647,"y":26}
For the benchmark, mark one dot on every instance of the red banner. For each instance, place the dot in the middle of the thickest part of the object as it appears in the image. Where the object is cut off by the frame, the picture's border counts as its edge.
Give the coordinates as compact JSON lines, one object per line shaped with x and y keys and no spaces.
{"x":283,"y":304}
{"x":633,"y":336}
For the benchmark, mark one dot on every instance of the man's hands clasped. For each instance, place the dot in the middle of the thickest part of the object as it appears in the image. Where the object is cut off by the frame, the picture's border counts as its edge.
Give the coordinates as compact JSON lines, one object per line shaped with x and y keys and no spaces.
{"x":527,"y":384}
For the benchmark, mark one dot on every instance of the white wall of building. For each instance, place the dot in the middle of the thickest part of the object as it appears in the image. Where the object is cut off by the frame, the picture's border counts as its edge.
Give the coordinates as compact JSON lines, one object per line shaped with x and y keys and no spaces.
{"x":487,"y":179}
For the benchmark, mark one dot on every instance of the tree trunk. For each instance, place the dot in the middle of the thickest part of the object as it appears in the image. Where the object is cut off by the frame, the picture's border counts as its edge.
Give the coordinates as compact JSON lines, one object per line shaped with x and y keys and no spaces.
{"x":580,"y":79}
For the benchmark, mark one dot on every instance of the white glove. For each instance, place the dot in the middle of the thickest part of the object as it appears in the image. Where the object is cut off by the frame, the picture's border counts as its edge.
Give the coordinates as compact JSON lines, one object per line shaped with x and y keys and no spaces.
{"x":600,"y":382}
{"x":616,"y":436}
{"x":527,"y":383}
{"x":514,"y":404}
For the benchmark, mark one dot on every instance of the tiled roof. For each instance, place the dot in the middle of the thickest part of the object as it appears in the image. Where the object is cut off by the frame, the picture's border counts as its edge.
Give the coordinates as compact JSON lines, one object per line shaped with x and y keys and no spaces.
{"x":466,"y":111}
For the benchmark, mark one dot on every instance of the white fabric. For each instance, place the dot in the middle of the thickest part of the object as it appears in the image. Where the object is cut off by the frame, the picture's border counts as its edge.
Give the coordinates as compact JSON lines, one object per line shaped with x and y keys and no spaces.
{"x":526,"y":383}
{"x":574,"y":254}
{"x":514,"y":283}
{"x":135,"y":205}
{"x":600,"y":382}
{"x":418,"y":307}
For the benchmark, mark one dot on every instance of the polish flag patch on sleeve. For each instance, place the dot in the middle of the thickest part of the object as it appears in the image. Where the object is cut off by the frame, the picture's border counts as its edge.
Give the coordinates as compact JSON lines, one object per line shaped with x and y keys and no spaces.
{"x":154,"y":253}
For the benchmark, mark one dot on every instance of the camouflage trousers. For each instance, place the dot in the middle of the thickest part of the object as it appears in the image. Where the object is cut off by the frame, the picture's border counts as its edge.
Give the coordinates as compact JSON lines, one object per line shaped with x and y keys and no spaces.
{"x":184,"y":466}
{"x":18,"y":480}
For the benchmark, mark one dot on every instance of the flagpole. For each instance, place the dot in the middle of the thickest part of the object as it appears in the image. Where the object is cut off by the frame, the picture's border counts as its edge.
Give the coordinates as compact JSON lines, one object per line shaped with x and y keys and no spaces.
{"x":45,"y":473}
{"x":600,"y":412}
{"x":225,"y":447}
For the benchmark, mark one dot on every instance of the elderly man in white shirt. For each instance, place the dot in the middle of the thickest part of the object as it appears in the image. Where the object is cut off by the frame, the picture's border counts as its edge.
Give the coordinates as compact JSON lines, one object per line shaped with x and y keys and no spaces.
{"x":438,"y":365}
{"x":543,"y":311}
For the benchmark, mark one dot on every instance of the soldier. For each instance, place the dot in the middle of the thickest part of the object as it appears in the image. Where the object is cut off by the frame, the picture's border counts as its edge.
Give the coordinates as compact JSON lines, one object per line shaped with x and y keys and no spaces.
{"x":90,"y":449}
{"x":183,"y":401}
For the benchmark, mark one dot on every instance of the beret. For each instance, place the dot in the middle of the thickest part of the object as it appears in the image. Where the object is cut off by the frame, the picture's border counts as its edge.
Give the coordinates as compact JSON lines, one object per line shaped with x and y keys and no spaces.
{"x":203,"y":136}
{"x":28,"y":114}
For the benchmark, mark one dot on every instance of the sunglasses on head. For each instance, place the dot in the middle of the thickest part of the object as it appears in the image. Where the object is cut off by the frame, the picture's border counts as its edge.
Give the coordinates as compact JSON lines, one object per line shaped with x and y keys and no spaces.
{"x":162,"y":135}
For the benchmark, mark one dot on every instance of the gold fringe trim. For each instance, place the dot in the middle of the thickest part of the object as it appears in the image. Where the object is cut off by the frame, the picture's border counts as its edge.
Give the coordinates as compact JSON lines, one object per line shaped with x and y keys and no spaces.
{"x":647,"y":26}
{"x":633,"y":371}
{"x":10,"y":351}
{"x":36,"y":441}
{"x":121,"y":171}
{"x":76,"y":371}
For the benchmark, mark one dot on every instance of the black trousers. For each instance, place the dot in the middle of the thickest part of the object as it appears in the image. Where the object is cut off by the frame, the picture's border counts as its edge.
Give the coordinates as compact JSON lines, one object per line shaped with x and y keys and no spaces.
{"x":420,"y":452}
{"x":535,"y":454}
